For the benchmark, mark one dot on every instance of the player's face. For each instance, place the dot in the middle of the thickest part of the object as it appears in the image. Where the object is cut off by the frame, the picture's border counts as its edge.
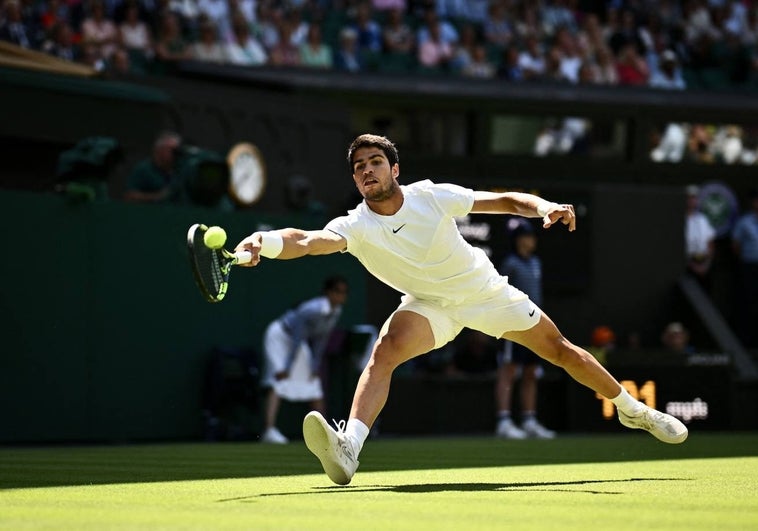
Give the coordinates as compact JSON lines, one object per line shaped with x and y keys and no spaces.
{"x":373,"y":175}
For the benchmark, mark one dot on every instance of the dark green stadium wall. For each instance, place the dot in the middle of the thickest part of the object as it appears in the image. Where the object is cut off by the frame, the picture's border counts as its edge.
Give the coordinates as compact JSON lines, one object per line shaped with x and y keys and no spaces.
{"x":105,"y":336}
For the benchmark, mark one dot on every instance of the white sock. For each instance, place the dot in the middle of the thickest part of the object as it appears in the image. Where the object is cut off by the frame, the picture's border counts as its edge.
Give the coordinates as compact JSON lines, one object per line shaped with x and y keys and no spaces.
{"x":626,"y":403}
{"x":358,"y":432}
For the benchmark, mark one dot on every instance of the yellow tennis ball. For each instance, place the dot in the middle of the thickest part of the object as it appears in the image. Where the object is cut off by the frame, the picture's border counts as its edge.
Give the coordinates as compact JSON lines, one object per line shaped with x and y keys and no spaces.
{"x":214,"y":237}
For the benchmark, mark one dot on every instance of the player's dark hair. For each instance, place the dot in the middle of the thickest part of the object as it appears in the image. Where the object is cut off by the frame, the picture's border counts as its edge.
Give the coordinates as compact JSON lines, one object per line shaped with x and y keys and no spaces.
{"x":369,"y":140}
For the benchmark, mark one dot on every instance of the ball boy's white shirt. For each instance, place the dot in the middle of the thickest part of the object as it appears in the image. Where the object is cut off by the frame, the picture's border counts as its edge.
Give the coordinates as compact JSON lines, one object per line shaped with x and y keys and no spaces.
{"x":419,"y":250}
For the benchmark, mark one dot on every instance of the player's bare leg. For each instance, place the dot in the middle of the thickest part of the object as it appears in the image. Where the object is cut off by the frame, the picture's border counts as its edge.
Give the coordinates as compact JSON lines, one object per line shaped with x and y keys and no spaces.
{"x":546,"y":341}
{"x":405,"y":336}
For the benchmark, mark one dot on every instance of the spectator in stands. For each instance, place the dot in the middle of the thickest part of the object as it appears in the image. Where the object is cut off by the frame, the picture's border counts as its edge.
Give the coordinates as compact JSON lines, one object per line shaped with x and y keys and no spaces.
{"x":170,"y":45}
{"x":631,"y":67}
{"x":553,"y":71}
{"x":629,"y":32}
{"x":480,"y":66}
{"x":298,"y":27}
{"x":668,"y":75}
{"x":607,"y":74}
{"x":99,"y":33}
{"x":266,"y":27}
{"x":590,"y":37}
{"x":475,"y":11}
{"x":54,"y":12}
{"x":524,"y":271}
{"x":284,"y":53}
{"x":497,"y":28}
{"x":314,"y":52}
{"x":531,"y":60}
{"x":435,"y":52}
{"x":463,"y":53}
{"x":510,"y":67}
{"x":187,"y":10}
{"x":447,"y":34}
{"x":389,"y":5}
{"x":247,"y":8}
{"x":244,"y":49}
{"x":589,"y":73}
{"x":397,"y":35}
{"x":61,"y":44}
{"x":12,"y":27}
{"x":217,"y":11}
{"x":155,"y":180}
{"x":208,"y":47}
{"x":368,"y":31}
{"x":557,"y":14}
{"x":570,"y":58}
{"x":156,"y":13}
{"x":134,"y":34}
{"x":745,"y":244}
{"x":527,"y":23}
{"x":699,"y":237}
{"x":698,"y":23}
{"x":676,"y":339}
{"x":347,"y":58}
{"x":120,"y":64}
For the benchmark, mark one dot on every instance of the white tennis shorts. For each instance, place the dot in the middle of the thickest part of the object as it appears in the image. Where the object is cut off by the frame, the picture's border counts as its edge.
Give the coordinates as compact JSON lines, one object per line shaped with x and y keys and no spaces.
{"x":301,"y":385}
{"x":503,"y":309}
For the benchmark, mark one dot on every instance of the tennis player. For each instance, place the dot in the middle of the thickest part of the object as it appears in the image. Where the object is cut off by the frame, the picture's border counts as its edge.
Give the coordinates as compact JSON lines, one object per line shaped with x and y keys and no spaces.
{"x":406,"y":236}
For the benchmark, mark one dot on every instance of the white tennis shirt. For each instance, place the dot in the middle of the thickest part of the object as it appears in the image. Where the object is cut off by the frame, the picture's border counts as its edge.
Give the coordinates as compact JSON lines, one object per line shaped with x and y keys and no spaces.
{"x":419,"y":250}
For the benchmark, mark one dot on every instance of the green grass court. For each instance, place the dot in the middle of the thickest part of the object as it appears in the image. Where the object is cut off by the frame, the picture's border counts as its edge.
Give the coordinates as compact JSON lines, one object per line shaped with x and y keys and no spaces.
{"x":612,"y":482}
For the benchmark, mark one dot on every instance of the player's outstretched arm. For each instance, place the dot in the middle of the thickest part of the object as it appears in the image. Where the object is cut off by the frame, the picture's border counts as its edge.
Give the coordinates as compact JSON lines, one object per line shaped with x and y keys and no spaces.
{"x":527,"y":205}
{"x":286,"y":244}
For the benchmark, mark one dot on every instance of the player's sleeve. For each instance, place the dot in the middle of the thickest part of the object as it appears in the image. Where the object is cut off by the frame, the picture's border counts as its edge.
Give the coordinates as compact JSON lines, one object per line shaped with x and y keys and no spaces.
{"x":454,"y":199}
{"x":348,"y":227}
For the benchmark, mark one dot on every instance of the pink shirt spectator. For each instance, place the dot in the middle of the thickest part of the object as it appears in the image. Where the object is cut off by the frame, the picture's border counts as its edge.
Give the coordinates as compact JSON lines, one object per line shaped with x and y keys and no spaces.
{"x":382,"y":5}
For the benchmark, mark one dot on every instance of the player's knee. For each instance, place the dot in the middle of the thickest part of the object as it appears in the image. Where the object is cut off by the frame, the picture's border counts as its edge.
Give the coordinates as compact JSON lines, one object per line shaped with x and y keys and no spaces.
{"x":389,"y":352}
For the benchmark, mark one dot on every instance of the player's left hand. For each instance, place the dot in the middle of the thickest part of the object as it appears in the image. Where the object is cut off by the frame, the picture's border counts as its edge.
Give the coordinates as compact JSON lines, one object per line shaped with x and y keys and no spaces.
{"x":563,"y":213}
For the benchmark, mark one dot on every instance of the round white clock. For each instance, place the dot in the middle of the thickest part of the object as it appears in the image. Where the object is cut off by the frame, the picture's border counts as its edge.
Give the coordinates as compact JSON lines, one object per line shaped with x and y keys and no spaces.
{"x":247,"y":173}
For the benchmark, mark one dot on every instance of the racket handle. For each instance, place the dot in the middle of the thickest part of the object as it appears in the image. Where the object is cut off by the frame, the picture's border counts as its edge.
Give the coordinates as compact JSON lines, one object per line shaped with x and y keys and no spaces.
{"x":243,"y":257}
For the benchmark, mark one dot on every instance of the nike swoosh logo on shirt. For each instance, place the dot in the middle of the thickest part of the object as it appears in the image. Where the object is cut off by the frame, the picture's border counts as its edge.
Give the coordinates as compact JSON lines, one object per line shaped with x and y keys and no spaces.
{"x":395,"y":231}
{"x":531,"y":313}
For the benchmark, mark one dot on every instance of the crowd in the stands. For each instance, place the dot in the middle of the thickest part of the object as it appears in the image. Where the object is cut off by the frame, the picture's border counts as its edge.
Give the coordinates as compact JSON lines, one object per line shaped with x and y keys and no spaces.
{"x":660,"y":43}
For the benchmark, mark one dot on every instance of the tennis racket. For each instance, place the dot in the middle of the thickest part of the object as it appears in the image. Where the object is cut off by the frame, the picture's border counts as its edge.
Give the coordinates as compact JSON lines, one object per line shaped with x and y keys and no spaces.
{"x":211,"y":267}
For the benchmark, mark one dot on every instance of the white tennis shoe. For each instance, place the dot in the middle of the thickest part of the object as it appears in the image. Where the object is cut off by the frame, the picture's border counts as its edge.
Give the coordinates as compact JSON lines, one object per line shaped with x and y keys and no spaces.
{"x":534,"y":429}
{"x":332,"y":447}
{"x":662,"y":426}
{"x":274,"y":436}
{"x":508,"y":430}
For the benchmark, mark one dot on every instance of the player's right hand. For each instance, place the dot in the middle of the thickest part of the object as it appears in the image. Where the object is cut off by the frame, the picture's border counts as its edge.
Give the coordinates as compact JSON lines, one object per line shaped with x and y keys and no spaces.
{"x":251,"y":244}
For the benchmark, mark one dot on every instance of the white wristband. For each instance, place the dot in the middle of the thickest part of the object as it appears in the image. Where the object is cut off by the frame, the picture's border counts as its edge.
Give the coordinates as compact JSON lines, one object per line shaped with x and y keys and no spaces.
{"x":544,"y":206}
{"x":271,"y":244}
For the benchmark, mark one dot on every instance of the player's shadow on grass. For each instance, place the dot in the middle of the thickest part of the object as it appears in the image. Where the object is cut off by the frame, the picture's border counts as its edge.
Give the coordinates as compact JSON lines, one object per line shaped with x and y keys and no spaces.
{"x":582,"y":486}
